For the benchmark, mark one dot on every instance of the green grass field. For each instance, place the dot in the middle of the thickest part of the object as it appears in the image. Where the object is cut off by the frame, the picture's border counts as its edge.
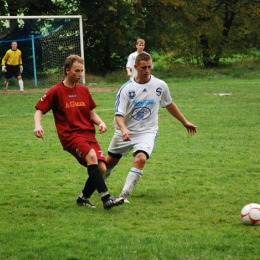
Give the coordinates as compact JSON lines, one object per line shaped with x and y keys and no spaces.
{"x":186,"y":206}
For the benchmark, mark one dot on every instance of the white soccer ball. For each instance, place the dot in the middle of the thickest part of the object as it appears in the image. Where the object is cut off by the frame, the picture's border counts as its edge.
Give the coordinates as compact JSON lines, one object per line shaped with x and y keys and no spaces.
{"x":250,"y":214}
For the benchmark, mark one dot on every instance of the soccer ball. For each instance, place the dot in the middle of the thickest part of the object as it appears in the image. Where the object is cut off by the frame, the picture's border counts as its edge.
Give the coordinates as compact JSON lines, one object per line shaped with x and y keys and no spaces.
{"x":250,"y":214}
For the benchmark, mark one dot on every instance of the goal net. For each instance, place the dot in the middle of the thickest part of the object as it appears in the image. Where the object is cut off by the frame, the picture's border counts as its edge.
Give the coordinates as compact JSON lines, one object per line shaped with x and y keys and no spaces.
{"x":45,"y":42}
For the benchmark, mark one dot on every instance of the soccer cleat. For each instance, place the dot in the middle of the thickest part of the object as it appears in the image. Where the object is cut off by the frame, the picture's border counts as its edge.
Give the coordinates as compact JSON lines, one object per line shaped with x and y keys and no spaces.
{"x":82,"y":201}
{"x":126,"y":201}
{"x":113,"y":201}
{"x":124,"y":196}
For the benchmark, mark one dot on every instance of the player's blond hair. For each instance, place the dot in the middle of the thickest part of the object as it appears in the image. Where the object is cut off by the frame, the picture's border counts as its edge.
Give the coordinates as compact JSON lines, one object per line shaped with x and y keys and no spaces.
{"x":69,"y":61}
{"x":142,"y":41}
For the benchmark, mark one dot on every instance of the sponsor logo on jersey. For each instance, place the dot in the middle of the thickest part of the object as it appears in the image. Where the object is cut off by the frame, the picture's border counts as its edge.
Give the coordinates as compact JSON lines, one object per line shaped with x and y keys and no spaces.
{"x":73,"y":95}
{"x":75,"y":104}
{"x":143,"y":103}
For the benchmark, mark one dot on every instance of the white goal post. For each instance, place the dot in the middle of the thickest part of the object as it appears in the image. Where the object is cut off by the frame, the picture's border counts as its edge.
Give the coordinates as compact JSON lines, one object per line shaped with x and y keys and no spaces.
{"x":45,"y":42}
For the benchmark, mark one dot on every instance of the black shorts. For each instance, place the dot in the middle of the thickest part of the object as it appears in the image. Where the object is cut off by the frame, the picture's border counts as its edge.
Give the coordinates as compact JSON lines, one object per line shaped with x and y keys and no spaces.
{"x":12,"y":71}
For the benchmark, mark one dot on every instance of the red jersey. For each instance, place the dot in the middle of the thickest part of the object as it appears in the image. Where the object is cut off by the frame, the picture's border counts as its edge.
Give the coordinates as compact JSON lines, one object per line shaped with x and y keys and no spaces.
{"x":71,"y":109}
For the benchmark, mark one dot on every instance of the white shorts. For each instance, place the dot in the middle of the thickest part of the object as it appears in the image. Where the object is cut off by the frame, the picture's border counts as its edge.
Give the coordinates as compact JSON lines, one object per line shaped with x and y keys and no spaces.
{"x":144,"y":142}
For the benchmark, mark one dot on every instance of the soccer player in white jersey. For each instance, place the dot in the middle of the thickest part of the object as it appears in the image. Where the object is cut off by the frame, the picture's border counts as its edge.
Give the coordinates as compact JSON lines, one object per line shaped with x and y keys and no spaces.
{"x":136,"y":120}
{"x":130,"y":69}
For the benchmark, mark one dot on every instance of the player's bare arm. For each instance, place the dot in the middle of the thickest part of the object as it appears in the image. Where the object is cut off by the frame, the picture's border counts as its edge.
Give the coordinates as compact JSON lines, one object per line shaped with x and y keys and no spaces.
{"x":174,"y":110}
{"x":124,"y":130}
{"x":38,"y":130}
{"x":129,"y":73}
{"x":97,"y":121}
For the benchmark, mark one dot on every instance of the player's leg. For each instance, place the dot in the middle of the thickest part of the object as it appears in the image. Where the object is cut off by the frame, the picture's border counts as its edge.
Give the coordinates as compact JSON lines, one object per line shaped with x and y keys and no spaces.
{"x":97,"y":181}
{"x":8,"y":75}
{"x":117,"y":148}
{"x":6,"y":83}
{"x":18,"y":74}
{"x":20,"y":82}
{"x":112,"y":161}
{"x":134,"y":174}
{"x":143,"y":147}
{"x":91,"y":156}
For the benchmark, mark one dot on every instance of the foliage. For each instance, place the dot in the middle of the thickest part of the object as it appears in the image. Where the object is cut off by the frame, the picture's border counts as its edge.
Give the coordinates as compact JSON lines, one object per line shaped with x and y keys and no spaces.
{"x":108,"y":29}
{"x":27,"y":7}
{"x":199,"y":32}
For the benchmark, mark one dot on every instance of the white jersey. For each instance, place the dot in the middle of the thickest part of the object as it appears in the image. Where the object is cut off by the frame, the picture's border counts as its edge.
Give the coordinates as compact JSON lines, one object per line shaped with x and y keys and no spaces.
{"x":131,"y":62}
{"x":139,"y":104}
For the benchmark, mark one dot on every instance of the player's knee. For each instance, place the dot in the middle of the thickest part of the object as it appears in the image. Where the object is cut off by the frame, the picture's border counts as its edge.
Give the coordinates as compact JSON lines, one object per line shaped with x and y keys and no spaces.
{"x":91,"y":157}
{"x":141,"y":157}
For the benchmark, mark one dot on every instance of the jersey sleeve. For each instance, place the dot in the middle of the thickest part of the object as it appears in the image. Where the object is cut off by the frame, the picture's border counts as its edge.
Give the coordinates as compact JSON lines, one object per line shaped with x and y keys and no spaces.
{"x":20,"y":58}
{"x":130,"y":61}
{"x":45,"y":104}
{"x":5,"y":58}
{"x":166,"y":96}
{"x":121,"y":103}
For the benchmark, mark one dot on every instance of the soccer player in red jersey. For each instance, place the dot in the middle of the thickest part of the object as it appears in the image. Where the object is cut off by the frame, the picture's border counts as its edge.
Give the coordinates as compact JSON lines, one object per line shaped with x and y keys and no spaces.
{"x":75,"y":120}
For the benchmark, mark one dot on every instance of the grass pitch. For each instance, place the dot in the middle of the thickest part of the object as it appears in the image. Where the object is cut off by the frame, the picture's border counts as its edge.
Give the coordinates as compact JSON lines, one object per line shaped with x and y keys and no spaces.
{"x":186,"y":206}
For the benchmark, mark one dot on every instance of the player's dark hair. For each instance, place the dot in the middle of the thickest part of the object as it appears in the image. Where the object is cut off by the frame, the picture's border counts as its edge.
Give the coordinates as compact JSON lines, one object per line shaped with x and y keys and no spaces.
{"x":142,"y":56}
{"x":70,"y":60}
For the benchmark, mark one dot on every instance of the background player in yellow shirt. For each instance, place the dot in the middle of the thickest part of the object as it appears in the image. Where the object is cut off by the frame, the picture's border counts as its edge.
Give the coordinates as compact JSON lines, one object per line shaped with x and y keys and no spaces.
{"x":12,"y":66}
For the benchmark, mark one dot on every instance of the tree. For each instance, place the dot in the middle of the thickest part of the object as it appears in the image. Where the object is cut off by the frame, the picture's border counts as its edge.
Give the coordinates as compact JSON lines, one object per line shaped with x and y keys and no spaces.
{"x":208,"y":30}
{"x":198,"y":32}
{"x":108,"y":25}
{"x":28,"y":7}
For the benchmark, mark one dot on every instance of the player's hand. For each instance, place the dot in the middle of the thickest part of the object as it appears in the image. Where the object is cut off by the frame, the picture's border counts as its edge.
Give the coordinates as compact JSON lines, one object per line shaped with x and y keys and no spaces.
{"x":4,"y":69}
{"x":39,"y":132}
{"x":125,"y":134}
{"x":102,"y":128}
{"x":21,"y":69}
{"x":191,"y":128}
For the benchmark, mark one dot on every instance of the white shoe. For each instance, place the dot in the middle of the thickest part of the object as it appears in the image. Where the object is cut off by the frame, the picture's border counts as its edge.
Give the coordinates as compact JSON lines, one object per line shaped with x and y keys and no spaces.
{"x":123,"y":195}
{"x":126,"y":201}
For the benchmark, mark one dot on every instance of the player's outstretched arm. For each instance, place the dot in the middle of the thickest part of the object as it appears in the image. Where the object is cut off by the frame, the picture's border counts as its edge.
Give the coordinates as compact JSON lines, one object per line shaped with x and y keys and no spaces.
{"x":174,"y":110}
{"x":38,"y":130}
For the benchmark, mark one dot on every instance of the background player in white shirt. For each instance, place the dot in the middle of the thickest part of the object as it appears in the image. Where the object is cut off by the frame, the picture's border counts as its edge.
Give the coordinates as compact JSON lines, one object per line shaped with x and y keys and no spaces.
{"x":130,"y":69}
{"x":136,"y":120}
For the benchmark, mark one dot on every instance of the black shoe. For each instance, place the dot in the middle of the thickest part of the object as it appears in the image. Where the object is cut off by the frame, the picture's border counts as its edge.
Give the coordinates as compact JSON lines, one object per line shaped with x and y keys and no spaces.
{"x":81,"y":201}
{"x":112,"y":201}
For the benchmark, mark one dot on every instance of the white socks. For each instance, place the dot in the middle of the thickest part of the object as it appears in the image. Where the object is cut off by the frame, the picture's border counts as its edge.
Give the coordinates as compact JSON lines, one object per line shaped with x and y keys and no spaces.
{"x":20,"y":81}
{"x":131,"y":180}
{"x":6,"y":85}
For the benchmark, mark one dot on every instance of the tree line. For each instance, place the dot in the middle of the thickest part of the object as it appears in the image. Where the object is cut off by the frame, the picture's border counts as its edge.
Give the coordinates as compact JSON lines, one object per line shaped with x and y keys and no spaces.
{"x":197,"y":32}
